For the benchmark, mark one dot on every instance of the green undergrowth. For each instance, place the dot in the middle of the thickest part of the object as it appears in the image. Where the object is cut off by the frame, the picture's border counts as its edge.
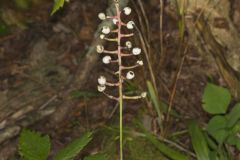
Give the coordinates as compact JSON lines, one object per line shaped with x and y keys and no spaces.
{"x":214,"y":141}
{"x":35,"y":146}
{"x":139,"y":143}
{"x":12,"y":13}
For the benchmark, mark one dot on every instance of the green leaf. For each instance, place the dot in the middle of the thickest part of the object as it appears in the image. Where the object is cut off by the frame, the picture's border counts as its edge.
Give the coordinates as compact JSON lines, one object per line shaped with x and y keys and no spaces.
{"x":96,"y":157}
{"x":236,"y":128}
{"x":57,"y":5}
{"x":216,"y":99}
{"x":154,"y":98}
{"x":233,"y":116}
{"x":217,"y":128}
{"x":238,"y":144}
{"x":159,"y":105}
{"x":155,"y":101}
{"x":72,"y":149}
{"x":164,"y":149}
{"x":33,"y":146}
{"x":213,"y":155}
{"x":198,"y":141}
{"x":232,"y":140}
{"x":211,"y":143}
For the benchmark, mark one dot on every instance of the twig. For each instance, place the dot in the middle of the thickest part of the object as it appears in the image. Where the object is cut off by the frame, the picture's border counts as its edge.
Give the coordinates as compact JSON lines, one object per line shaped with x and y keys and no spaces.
{"x":161,"y":27}
{"x":171,"y":99}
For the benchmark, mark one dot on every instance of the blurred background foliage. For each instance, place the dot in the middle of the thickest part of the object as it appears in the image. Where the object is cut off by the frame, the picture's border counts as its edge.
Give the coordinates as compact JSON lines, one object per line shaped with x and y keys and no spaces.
{"x":21,"y":13}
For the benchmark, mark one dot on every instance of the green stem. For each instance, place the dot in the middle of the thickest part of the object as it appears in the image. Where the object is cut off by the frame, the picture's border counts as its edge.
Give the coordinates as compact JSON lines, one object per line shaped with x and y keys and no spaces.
{"x":121,"y":123}
{"x":120,"y":81}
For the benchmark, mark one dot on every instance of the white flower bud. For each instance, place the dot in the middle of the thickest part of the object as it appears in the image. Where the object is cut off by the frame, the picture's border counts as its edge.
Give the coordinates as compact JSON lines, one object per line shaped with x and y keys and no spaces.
{"x":130,"y":25}
{"x":99,"y":48}
{"x":106,"y":59}
{"x":140,"y":63}
{"x":130,"y":75}
{"x":106,"y":30}
{"x":101,"y":88}
{"x":136,"y":51}
{"x":102,"y":36}
{"x":128,"y":44}
{"x":102,"y":80}
{"x":144,"y":94}
{"x":127,"y":10}
{"x":115,"y":21}
{"x":102,"y":16}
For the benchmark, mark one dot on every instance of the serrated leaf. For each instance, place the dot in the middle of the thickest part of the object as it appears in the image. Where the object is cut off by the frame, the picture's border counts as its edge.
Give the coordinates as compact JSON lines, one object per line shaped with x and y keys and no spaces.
{"x":96,"y":157}
{"x":216,"y":99}
{"x":233,"y":116}
{"x":33,"y":146}
{"x":73,"y":149}
{"x":198,"y":141}
{"x":217,"y":128}
{"x":57,"y":5}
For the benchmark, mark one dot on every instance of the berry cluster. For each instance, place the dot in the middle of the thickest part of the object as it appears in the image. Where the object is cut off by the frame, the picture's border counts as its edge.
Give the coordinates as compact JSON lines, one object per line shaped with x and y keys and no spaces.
{"x":116,"y":56}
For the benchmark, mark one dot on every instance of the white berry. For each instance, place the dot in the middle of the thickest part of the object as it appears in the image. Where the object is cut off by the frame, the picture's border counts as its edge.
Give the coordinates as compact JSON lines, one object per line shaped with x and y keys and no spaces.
{"x":106,"y":59}
{"x":102,"y":16}
{"x":130,"y":75}
{"x":102,"y":36}
{"x":140,"y":63}
{"x":106,"y":30}
{"x":130,"y":25}
{"x":136,"y":51}
{"x":127,"y":10}
{"x":101,"y":88}
{"x":128,"y":44}
{"x":99,"y":48}
{"x":115,"y":21}
{"x":102,"y":81}
{"x":144,"y":94}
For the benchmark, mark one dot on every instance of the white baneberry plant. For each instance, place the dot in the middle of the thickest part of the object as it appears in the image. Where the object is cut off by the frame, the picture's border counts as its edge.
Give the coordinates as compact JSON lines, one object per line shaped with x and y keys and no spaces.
{"x":121,"y":53}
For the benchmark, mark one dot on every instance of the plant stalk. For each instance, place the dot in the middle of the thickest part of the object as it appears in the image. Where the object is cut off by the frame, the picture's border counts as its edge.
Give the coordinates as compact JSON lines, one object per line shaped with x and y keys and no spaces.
{"x":120,"y":80}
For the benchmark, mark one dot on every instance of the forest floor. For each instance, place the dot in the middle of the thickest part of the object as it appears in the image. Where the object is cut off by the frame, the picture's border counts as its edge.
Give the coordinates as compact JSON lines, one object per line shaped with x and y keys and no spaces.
{"x":41,"y":55}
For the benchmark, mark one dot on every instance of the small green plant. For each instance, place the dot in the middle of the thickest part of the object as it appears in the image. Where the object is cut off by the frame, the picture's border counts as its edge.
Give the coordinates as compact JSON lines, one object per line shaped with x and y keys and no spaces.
{"x":35,"y":146}
{"x":222,"y":129}
{"x":223,"y":126}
